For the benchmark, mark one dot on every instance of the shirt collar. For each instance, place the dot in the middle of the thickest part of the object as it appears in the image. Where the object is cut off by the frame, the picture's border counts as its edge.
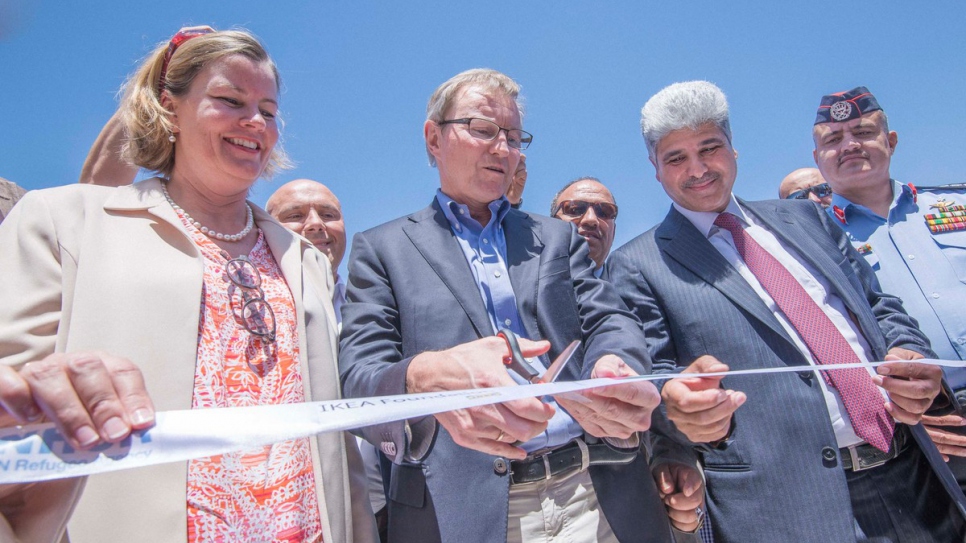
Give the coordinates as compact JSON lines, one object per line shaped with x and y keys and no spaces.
{"x":900,"y":193}
{"x":458,"y":215}
{"x":704,"y":220}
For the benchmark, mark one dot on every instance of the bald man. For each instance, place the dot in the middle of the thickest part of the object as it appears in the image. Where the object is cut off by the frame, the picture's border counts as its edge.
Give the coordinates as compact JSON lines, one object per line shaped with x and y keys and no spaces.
{"x":588,"y":204}
{"x":806,"y":183}
{"x":310,"y":209}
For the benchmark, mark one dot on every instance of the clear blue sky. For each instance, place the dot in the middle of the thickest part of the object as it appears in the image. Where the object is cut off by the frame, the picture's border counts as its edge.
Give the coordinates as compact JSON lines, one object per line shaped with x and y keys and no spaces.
{"x":357,"y":76}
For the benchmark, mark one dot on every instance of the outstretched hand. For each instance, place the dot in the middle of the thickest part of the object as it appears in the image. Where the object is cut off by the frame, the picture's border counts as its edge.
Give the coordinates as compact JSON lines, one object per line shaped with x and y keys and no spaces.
{"x":613,"y":411}
{"x":698,"y":406}
{"x":911,"y":387}
{"x":91,"y":397}
{"x":491,"y":429}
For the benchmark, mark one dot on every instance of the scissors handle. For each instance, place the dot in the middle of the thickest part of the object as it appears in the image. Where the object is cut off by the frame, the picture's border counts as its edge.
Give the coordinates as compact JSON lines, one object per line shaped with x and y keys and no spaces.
{"x":515,"y":360}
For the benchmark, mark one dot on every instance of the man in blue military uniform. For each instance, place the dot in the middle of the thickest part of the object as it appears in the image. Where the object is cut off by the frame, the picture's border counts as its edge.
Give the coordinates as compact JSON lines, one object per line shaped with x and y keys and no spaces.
{"x":914,"y":237}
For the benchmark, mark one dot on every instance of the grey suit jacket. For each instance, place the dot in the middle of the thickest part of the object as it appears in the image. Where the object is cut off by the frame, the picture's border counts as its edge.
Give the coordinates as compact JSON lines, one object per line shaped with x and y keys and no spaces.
{"x":693,"y":302}
{"x":411,"y":290}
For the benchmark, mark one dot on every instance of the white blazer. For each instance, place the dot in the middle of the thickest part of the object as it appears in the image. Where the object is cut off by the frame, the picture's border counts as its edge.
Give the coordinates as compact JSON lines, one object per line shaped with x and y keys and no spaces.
{"x":85,"y":267}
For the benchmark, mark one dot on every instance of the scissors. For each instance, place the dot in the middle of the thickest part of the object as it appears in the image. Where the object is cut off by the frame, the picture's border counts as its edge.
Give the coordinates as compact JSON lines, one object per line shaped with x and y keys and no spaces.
{"x":516,"y":362}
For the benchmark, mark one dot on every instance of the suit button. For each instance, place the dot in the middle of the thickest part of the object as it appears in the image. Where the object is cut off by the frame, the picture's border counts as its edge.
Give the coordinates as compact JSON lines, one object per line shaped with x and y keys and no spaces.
{"x":805,"y":376}
{"x":829,"y":458}
{"x":499,"y":466}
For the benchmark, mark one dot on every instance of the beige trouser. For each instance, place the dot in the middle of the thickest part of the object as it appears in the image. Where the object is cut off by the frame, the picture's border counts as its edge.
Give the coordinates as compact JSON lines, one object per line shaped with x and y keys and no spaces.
{"x":561,"y":510}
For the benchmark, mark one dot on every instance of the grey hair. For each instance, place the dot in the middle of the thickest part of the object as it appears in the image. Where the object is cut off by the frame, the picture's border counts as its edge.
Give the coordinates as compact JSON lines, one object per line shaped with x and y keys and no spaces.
{"x":683,"y":105}
{"x":483,"y":79}
{"x":556,"y":197}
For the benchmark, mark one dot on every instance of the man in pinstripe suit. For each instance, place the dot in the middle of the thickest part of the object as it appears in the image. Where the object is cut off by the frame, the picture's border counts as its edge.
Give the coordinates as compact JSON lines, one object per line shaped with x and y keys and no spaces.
{"x":723,"y":283}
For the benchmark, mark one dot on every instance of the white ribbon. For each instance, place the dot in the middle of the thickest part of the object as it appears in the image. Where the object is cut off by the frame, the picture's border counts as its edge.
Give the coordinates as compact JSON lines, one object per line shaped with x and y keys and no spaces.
{"x":38,"y":452}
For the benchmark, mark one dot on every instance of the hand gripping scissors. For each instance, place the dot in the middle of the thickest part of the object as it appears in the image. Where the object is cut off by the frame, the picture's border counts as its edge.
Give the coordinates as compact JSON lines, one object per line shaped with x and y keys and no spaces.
{"x":516,"y":362}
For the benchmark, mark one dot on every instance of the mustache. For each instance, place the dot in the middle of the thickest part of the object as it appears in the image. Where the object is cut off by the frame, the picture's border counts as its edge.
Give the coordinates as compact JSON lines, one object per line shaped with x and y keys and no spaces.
{"x":706,"y":178}
{"x":848,"y":154}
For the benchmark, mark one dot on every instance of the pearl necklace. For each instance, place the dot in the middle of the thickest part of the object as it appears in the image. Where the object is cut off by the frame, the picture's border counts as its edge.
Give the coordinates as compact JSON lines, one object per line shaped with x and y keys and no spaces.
{"x":204,"y":229}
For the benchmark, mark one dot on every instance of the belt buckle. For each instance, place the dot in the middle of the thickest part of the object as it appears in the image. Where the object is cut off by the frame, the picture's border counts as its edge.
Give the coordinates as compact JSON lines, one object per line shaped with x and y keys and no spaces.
{"x":854,"y":456}
{"x":542,"y":455}
{"x":857,"y":464}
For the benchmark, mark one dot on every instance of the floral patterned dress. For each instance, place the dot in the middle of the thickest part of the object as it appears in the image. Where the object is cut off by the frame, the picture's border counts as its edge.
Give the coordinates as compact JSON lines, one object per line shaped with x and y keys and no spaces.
{"x":267,"y":493}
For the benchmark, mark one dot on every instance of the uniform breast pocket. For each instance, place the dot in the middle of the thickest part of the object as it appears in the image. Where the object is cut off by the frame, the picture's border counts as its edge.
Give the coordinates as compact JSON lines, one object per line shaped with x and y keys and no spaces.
{"x":865,"y":251}
{"x":953,"y":247}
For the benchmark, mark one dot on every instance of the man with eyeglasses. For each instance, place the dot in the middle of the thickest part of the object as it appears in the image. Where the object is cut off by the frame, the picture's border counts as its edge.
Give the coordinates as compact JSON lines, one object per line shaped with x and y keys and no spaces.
{"x":588,"y":204}
{"x":913,"y":237}
{"x":426,"y":294}
{"x":806,"y":183}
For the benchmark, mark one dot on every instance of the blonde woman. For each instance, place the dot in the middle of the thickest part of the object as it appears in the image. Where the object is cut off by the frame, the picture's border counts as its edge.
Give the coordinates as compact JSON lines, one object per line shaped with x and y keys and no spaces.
{"x":177,"y":293}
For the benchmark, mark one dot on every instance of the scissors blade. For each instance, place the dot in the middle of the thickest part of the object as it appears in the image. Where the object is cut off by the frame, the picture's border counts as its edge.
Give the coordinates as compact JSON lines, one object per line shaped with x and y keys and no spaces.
{"x":559,"y":363}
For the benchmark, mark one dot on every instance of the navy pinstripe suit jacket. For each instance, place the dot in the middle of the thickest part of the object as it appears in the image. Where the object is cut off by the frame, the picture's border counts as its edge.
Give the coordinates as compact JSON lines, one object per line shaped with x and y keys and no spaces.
{"x":769,"y":482}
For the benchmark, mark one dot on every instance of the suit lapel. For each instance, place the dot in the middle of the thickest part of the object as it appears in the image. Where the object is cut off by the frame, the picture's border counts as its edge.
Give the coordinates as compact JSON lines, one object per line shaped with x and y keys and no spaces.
{"x":523,"y":248}
{"x":286,"y":248}
{"x":787,"y":227}
{"x":682,"y":242}
{"x":146,"y":195}
{"x":431,"y":235}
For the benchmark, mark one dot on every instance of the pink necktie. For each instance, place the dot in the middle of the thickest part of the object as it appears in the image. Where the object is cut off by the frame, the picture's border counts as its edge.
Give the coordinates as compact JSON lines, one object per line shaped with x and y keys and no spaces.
{"x":828,"y":346}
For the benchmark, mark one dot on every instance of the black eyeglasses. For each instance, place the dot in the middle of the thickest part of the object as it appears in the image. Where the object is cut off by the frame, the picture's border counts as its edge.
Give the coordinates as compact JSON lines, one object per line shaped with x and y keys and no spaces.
{"x":485,"y":130}
{"x":256,"y":314}
{"x":821,"y":190}
{"x":576,"y":209}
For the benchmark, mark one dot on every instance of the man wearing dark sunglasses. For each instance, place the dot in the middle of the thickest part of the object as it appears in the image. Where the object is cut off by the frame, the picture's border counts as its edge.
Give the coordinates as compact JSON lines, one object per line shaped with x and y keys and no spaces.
{"x":588,"y":204}
{"x":913,"y":236}
{"x":806,"y":183}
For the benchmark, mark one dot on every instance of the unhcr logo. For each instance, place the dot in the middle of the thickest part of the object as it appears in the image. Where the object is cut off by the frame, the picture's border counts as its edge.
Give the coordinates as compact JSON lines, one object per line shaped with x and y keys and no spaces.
{"x":46,"y":450}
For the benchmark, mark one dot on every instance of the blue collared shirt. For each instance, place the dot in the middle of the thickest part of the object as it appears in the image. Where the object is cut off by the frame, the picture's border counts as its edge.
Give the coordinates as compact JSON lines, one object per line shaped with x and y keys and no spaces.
{"x":927,"y":271}
{"x":484,"y":248}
